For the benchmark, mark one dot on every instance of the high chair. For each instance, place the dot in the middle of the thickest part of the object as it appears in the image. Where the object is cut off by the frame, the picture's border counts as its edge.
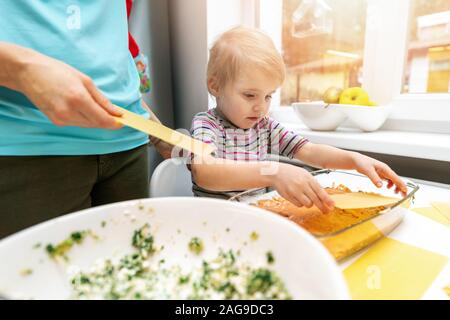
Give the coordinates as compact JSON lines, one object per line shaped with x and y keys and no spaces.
{"x":171,"y":178}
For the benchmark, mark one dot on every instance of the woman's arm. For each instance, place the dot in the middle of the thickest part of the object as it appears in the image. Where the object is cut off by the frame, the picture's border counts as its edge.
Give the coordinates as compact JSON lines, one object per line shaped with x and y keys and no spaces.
{"x":64,"y":94}
{"x":13,"y":59}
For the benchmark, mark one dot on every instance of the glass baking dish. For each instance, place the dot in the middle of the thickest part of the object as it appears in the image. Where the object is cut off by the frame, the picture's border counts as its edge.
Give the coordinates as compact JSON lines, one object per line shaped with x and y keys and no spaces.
{"x":359,"y":227}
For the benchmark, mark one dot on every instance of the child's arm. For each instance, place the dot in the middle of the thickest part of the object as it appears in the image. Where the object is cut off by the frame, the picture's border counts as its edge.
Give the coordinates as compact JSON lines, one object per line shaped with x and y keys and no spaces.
{"x":293,"y":183}
{"x":323,"y":156}
{"x":225,"y":175}
{"x":216,"y":174}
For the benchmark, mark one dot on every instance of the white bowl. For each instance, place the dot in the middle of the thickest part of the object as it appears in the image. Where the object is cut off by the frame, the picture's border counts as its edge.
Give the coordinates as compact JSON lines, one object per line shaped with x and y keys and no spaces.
{"x":319,"y":116}
{"x":364,"y":117}
{"x":304,"y":265}
{"x":323,"y":117}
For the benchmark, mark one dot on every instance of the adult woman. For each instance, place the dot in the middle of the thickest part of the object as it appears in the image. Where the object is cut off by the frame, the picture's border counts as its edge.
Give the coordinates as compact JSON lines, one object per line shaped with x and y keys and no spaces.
{"x":62,"y":67}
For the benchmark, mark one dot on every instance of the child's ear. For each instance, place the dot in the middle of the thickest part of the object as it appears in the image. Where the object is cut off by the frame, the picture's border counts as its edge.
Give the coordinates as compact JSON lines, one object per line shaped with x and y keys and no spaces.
{"x":213,"y":86}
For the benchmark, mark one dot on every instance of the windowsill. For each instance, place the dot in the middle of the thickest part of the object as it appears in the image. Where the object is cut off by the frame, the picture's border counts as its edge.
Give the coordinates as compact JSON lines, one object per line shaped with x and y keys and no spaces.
{"x":389,"y":140}
{"x":433,"y":146}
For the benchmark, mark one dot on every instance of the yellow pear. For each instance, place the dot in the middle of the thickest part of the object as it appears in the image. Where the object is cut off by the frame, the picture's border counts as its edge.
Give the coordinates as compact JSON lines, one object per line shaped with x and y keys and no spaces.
{"x":332,"y":94}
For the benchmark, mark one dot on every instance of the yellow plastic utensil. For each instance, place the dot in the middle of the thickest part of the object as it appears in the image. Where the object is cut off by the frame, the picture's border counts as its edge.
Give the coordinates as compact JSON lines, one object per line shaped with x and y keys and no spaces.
{"x":164,"y":133}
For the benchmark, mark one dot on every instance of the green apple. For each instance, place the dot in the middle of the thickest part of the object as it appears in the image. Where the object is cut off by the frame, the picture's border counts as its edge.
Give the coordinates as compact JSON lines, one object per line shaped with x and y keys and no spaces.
{"x":332,"y":94}
{"x":355,"y":96}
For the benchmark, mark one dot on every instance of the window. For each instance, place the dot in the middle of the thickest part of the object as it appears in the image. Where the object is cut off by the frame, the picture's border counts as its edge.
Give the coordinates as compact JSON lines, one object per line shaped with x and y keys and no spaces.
{"x":428,"y":64}
{"x":368,"y":43}
{"x":379,"y":59}
{"x":322,"y":45}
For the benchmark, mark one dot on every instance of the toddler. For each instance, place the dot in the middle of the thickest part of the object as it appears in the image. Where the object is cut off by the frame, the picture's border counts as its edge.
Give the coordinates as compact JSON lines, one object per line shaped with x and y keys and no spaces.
{"x":244,"y":71}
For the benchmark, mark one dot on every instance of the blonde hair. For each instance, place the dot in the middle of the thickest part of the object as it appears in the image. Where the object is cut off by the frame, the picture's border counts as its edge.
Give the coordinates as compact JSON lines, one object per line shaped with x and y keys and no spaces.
{"x":239,"y":47}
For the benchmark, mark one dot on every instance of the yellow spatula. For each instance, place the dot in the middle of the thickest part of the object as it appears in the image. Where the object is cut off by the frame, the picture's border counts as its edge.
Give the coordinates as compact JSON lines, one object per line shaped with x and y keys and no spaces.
{"x":358,"y":200}
{"x":164,"y":133}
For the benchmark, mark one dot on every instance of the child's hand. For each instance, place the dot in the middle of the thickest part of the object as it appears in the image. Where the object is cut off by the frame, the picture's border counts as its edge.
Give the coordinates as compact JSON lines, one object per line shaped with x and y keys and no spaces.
{"x":377,"y":170}
{"x":163,"y":148}
{"x":299,"y":187}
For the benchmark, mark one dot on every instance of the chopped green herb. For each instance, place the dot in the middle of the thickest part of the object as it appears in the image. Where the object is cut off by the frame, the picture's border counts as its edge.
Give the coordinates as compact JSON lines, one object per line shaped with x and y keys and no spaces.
{"x":84,"y":279}
{"x":78,"y":236}
{"x":26,"y":272}
{"x":254,"y":236}
{"x":196,"y":245}
{"x":183,"y":279}
{"x":260,"y":281}
{"x":61,"y":249}
{"x":270,"y":257}
{"x":143,"y":240}
{"x":139,"y":276}
{"x":228,"y":289}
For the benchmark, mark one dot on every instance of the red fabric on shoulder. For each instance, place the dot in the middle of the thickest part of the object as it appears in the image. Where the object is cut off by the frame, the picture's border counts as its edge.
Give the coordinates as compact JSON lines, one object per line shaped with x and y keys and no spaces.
{"x":132,"y":44}
{"x":129,"y":6}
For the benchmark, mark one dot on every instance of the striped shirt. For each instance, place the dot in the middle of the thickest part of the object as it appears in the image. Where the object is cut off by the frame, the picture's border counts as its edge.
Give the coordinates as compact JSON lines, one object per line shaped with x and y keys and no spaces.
{"x":267,"y":137}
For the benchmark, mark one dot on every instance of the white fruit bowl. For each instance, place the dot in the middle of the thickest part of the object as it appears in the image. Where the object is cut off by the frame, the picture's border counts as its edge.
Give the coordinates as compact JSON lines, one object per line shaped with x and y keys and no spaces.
{"x":327,"y":117}
{"x":366,"y":118}
{"x":305,"y":266}
{"x":319,"y":116}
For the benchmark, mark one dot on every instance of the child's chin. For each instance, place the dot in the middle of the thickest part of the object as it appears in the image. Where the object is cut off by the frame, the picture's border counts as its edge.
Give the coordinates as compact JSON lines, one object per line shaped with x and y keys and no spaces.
{"x":247,"y":126}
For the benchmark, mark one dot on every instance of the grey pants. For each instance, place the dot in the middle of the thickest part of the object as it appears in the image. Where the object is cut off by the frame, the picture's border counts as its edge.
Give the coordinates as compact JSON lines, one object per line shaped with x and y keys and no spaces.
{"x":34,"y":189}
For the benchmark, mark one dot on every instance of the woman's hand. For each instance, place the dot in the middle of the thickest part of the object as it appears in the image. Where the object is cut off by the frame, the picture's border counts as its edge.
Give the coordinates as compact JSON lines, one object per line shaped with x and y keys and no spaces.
{"x":376,"y":171}
{"x":65,"y":95}
{"x":299,"y":187}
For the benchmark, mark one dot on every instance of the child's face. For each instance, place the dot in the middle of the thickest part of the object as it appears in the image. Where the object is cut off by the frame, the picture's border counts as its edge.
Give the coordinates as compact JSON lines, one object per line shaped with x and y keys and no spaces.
{"x":247,"y":100}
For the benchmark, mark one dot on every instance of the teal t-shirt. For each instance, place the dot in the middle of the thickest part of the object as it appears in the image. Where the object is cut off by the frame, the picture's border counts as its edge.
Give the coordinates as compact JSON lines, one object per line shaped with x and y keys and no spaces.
{"x":91,"y":36}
